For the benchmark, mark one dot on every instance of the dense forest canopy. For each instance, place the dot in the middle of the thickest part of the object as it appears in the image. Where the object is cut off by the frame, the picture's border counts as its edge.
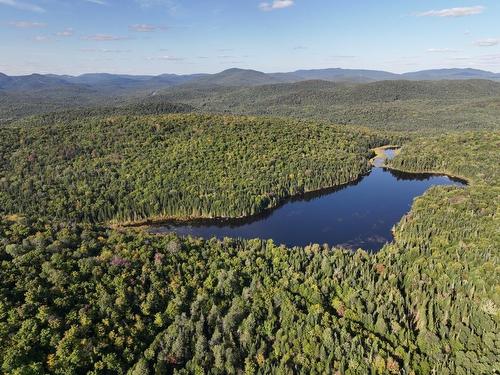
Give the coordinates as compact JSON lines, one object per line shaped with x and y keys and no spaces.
{"x":79,"y":296}
{"x":398,"y":105}
{"x":433,"y":106}
{"x":471,"y":155}
{"x":140,"y":167}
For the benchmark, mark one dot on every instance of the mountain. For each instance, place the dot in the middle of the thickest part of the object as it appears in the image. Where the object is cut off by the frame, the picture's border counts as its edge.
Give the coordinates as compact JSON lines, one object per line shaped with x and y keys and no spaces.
{"x":32,"y":82}
{"x":336,"y":75}
{"x":391,"y":104}
{"x":236,"y":77}
{"x":122,"y":84}
{"x":451,"y":74}
{"x":326,"y":93}
{"x":176,"y":79}
{"x":4,"y":80}
{"x":105,"y":79}
{"x":247,"y":77}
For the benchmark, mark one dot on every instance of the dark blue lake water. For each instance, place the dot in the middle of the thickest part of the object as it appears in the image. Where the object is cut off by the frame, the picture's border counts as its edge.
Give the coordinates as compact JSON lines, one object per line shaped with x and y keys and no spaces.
{"x":358,"y":215}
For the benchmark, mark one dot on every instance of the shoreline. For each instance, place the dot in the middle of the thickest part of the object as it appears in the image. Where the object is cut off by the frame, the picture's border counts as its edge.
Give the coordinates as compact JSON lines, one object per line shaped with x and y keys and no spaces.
{"x":379,"y":154}
{"x":158,"y":220}
{"x":379,"y":151}
{"x":466,"y":181}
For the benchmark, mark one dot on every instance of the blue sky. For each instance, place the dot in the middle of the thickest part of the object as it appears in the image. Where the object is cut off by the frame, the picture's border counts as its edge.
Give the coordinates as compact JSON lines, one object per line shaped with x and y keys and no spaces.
{"x":188,"y":36}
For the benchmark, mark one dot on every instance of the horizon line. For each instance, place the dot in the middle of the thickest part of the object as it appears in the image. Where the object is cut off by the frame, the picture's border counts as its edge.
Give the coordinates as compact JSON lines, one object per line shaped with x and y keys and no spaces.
{"x":247,"y":69}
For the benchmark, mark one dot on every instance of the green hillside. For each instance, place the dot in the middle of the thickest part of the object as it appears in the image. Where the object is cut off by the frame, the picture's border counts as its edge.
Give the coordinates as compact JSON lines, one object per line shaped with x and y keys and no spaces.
{"x":79,"y":298}
{"x":397,"y":105}
{"x":133,"y":168}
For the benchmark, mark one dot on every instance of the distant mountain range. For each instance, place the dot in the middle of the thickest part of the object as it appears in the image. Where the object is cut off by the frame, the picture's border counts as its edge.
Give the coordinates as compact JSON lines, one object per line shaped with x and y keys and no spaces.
{"x":116,"y":83}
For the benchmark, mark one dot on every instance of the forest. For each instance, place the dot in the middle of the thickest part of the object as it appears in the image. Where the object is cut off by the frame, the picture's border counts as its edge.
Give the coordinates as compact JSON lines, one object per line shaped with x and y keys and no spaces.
{"x":410,"y":106}
{"x":134,"y":168}
{"x":80,"y":296}
{"x":257,"y":187}
{"x":430,"y":106}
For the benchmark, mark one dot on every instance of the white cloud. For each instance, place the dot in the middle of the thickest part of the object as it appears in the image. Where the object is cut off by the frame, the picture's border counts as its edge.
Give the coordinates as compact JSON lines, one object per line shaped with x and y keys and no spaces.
{"x":490,"y":42}
{"x":66,"y":32}
{"x":22,"y":5}
{"x":442,"y":50}
{"x":27,"y":24}
{"x":143,"y":28}
{"x":276,"y":4}
{"x":104,"y":38}
{"x":453,"y":12}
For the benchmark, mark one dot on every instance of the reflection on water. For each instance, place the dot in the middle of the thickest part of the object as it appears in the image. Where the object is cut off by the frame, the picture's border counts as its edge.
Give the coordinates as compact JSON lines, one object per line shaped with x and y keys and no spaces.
{"x":358,"y":215}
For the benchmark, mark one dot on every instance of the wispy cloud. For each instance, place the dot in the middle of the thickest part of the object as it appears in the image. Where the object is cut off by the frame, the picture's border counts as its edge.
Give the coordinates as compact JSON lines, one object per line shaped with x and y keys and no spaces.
{"x":27,"y":24}
{"x":459,"y":58}
{"x":66,"y":32}
{"x":145,"y":28}
{"x":453,"y":12}
{"x":297,"y":48}
{"x":22,"y":5}
{"x":442,"y":50}
{"x":166,"y":58}
{"x":490,"y":42}
{"x":41,"y":38}
{"x":104,"y":38}
{"x":104,"y":50}
{"x":276,"y":4}
{"x":172,"y":5}
{"x":98,"y":2}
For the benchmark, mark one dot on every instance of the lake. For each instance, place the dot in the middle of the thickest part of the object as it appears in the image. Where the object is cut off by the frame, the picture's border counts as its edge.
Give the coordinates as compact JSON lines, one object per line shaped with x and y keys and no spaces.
{"x":357,"y":215}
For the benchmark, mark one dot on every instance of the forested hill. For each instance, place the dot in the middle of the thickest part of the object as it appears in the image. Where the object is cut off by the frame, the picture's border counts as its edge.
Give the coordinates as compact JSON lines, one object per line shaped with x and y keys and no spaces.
{"x":471,"y":155}
{"x":398,"y":105}
{"x":230,"y":77}
{"x":133,"y":168}
{"x":80,"y":298}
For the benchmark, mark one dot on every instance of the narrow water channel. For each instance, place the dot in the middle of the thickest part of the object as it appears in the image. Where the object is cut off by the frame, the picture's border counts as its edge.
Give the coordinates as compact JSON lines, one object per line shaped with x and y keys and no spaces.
{"x":359,"y":215}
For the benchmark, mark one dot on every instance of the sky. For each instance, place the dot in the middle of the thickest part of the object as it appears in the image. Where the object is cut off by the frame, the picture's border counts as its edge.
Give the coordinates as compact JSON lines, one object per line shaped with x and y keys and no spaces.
{"x":208,"y":36}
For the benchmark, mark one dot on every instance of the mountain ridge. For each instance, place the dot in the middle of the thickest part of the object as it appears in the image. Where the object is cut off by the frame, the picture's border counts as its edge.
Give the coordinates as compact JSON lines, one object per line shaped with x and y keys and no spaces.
{"x":232,"y":77}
